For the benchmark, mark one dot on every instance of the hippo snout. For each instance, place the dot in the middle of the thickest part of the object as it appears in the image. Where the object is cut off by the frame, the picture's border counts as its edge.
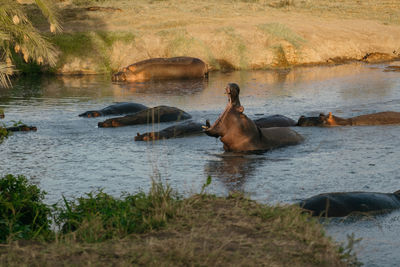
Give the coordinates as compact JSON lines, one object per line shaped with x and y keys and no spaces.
{"x":118,"y":77}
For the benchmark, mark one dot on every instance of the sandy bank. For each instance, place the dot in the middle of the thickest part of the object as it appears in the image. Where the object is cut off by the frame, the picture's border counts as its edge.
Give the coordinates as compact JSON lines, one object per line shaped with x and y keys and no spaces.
{"x":228,"y":34}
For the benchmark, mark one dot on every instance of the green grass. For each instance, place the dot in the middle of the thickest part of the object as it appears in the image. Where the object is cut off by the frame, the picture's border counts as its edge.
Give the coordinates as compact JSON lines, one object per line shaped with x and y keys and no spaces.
{"x":236,"y":46}
{"x":99,"y":44}
{"x":99,"y":216}
{"x":282,"y":32}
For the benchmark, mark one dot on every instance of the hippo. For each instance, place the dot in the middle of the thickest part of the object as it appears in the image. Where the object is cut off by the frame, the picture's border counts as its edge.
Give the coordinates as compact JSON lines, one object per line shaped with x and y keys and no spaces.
{"x":276,"y":120}
{"x":392,"y":68}
{"x":150,"y":115}
{"x":21,"y":128}
{"x":162,"y":69}
{"x":116,"y":109}
{"x":182,"y":129}
{"x":344,"y":203}
{"x":380,"y":118}
{"x":239,"y":133}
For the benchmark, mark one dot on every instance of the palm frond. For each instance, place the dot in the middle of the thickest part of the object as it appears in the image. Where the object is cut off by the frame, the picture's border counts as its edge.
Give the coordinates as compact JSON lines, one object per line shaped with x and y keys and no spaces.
{"x":50,"y":12}
{"x":24,"y":35}
{"x":5,"y":72}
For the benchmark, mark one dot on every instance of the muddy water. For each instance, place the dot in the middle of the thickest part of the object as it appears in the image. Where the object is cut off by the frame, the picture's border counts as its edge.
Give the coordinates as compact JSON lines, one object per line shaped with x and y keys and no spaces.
{"x":70,"y":156}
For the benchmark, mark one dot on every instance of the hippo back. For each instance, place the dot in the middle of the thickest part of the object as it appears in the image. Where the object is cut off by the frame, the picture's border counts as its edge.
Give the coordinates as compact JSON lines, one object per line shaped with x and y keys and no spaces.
{"x":342,"y":204}
{"x":380,"y":118}
{"x":274,"y":121}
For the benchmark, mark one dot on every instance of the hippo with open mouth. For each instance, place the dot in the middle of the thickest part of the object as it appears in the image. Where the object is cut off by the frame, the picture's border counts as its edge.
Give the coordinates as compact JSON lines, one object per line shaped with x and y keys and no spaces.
{"x":380,"y":118}
{"x":239,"y":133}
{"x":116,"y":109}
{"x":150,"y":115}
{"x":344,"y":203}
{"x":162,"y":69}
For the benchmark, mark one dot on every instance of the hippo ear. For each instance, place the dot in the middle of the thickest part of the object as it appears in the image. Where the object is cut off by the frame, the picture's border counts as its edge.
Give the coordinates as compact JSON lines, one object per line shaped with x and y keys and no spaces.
{"x":137,"y":134}
{"x":240,"y":109}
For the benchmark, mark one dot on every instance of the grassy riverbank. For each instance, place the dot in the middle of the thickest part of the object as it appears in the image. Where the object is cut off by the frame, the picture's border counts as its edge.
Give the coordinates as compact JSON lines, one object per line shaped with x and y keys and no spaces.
{"x":158,"y":228}
{"x":105,"y":35}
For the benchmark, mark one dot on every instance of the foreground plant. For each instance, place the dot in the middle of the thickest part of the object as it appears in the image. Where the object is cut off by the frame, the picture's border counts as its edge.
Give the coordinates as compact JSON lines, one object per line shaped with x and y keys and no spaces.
{"x":19,"y":38}
{"x":23,"y":215}
{"x":99,"y":216}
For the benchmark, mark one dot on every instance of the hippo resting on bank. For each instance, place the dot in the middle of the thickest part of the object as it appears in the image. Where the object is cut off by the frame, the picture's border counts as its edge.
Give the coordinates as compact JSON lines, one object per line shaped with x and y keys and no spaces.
{"x":380,"y":118}
{"x":343,"y":204}
{"x":150,"y":115}
{"x":116,"y":109}
{"x":182,"y":129}
{"x":239,"y":133}
{"x":162,"y":69}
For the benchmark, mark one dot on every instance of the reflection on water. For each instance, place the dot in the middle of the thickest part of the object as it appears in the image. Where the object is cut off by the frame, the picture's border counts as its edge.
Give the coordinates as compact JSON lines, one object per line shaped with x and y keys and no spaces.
{"x":70,"y":156}
{"x":168,"y":87}
{"x":233,"y":169}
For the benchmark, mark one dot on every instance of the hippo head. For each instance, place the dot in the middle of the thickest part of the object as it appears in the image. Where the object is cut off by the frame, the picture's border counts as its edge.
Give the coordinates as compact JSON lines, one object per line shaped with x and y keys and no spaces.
{"x":90,"y":114}
{"x":119,"y":76}
{"x":312,"y":121}
{"x":146,"y":137}
{"x":232,"y":125}
{"x":322,"y":120}
{"x":109,"y":123}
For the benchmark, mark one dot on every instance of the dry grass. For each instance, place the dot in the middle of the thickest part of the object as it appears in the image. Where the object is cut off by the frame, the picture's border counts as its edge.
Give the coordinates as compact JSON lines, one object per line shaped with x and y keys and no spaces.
{"x":206,"y":231}
{"x":238,"y":34}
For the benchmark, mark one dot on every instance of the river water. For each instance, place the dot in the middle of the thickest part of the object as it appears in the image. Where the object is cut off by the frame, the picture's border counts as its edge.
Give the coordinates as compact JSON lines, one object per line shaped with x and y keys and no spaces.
{"x":70,"y":156}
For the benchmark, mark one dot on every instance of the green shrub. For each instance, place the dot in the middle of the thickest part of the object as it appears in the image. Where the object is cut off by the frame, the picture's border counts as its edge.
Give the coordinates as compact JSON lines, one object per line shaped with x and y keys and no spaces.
{"x":99,"y":216}
{"x":23,"y":215}
{"x":3,"y":133}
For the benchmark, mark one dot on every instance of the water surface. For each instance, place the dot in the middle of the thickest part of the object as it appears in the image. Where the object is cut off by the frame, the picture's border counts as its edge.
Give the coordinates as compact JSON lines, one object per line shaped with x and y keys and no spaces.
{"x":70,"y":155}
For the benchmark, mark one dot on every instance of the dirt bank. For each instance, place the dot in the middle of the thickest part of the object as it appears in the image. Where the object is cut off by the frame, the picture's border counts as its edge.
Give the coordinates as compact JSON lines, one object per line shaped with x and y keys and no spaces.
{"x":226,"y":34}
{"x":207,"y":231}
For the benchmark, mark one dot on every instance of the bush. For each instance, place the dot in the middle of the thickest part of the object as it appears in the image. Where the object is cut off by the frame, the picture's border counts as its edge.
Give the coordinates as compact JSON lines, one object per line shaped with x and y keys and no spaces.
{"x":99,"y":216}
{"x":23,"y":215}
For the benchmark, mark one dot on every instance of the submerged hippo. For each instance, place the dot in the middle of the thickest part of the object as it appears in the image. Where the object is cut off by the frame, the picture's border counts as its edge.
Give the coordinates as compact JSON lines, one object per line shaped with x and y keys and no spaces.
{"x":274,"y":121}
{"x":162,"y":69}
{"x":150,"y":115}
{"x":183,"y":129}
{"x":116,"y":109}
{"x":21,"y":128}
{"x":380,"y":118}
{"x":239,"y":133}
{"x":343,"y":204}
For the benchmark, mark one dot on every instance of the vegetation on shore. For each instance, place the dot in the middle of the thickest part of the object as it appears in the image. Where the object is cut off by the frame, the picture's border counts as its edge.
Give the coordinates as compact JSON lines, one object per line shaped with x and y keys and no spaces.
{"x":102,"y":36}
{"x":158,"y":228}
{"x":3,"y":131}
{"x":21,"y":43}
